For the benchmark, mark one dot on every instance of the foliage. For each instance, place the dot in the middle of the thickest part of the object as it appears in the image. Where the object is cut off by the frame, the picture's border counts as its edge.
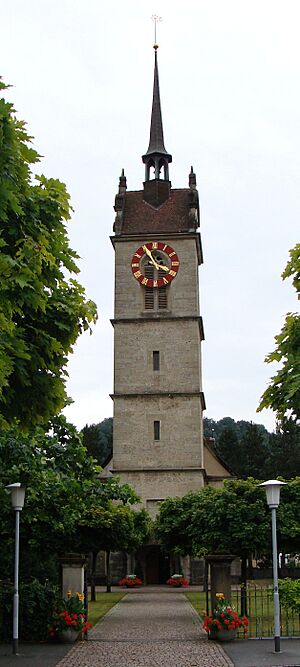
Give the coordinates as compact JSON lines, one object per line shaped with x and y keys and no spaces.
{"x":42,"y":310}
{"x":36,"y":599}
{"x":61,"y":482}
{"x":68,"y":613}
{"x":284,"y":451}
{"x":228,"y":449}
{"x":98,"y":439}
{"x":253,"y":453}
{"x":177,"y":580}
{"x":250,"y":451}
{"x":214,"y":428}
{"x":288,"y":526}
{"x":231,"y":519}
{"x":292,"y":269}
{"x":113,"y":527}
{"x":283,"y":393}
{"x":289,"y":592}
{"x":57,"y":475}
{"x":224,"y":617}
{"x":130,"y":581}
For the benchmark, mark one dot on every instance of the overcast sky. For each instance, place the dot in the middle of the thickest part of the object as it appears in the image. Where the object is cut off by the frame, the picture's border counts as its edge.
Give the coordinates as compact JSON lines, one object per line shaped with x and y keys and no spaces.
{"x":82,"y":76}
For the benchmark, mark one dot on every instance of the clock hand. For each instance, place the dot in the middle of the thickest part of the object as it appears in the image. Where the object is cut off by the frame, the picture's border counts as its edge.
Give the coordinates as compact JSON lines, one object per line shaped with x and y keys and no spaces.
{"x":149,"y":253}
{"x":164,"y":267}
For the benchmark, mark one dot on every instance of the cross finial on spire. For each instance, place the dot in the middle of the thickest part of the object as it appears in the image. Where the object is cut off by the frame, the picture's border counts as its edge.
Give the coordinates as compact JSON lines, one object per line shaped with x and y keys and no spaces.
{"x":156,"y":19}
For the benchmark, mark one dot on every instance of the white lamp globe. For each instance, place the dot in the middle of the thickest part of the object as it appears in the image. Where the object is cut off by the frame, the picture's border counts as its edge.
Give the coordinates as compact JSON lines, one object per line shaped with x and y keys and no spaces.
{"x":17,"y":495}
{"x":272,"y":487}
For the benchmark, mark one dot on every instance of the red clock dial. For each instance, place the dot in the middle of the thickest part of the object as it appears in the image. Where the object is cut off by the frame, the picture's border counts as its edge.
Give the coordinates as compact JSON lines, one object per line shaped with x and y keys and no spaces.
{"x":155,"y":264}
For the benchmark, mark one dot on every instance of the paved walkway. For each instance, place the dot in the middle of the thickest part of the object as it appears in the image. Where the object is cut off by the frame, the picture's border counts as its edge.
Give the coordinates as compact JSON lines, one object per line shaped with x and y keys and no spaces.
{"x":148,"y":630}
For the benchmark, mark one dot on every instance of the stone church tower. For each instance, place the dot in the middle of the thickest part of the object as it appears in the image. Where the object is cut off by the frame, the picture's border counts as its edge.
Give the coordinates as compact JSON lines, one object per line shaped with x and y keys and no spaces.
{"x":158,"y":397}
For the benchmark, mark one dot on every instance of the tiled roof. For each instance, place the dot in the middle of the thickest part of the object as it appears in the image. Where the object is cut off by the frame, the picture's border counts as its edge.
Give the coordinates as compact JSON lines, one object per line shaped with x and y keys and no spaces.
{"x":171,"y":216}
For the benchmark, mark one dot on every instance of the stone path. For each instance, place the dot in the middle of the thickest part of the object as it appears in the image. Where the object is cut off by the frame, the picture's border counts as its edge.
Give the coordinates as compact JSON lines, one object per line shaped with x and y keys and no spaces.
{"x":148,"y":630}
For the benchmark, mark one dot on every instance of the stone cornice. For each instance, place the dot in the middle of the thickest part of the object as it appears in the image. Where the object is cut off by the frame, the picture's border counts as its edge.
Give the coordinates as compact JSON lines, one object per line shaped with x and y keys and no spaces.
{"x":170,"y":235}
{"x":161,"y":318}
{"x":160,"y":394}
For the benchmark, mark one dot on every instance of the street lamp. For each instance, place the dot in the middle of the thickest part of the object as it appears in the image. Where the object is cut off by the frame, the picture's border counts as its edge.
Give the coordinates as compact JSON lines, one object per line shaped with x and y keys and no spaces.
{"x":17,"y":501}
{"x":272,"y":487}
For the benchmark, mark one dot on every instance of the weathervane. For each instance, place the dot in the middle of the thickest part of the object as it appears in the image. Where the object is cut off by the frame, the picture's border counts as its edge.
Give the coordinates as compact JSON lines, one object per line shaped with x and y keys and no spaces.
{"x":156,"y":19}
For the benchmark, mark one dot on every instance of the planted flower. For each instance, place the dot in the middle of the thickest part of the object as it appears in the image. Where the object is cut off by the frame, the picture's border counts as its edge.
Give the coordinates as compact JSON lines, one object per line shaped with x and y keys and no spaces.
{"x":68,"y":616}
{"x":177,"y":580}
{"x":224,"y":619}
{"x":130,"y":581}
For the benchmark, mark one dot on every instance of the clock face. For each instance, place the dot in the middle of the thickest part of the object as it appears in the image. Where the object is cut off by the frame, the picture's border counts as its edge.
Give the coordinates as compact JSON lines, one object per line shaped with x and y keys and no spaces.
{"x":155,"y":264}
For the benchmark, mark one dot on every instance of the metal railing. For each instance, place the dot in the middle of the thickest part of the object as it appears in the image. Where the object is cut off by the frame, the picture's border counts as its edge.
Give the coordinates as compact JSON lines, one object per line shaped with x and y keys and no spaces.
{"x":260,"y":612}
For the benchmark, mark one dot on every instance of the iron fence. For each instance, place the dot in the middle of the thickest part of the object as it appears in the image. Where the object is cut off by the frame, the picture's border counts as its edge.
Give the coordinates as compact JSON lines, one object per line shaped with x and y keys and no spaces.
{"x":257,"y":604}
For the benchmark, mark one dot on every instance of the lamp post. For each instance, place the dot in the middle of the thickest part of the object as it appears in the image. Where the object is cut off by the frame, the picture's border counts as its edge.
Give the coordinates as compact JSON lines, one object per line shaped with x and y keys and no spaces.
{"x":17,"y":501}
{"x":272,"y":487}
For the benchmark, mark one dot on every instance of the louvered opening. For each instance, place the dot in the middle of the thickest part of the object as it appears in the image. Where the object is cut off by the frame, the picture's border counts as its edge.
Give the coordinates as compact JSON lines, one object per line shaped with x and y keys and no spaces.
{"x":162,"y":293}
{"x":149,"y":291}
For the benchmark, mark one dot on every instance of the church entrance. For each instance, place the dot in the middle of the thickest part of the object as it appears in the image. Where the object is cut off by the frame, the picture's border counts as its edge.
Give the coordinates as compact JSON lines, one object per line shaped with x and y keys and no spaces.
{"x":154,"y":564}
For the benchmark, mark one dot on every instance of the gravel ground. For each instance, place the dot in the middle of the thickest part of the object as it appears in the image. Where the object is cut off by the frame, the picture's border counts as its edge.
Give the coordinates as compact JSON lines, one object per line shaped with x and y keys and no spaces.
{"x":148,"y":630}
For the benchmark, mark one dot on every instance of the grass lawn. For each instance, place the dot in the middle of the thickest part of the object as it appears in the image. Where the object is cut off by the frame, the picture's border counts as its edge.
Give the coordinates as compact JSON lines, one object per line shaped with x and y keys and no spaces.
{"x":104,"y":602}
{"x":197,"y":600}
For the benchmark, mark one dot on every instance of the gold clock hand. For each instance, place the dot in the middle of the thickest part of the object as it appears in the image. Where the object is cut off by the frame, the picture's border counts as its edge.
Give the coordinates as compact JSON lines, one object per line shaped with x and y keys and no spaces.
{"x":164,"y":267}
{"x":149,"y":253}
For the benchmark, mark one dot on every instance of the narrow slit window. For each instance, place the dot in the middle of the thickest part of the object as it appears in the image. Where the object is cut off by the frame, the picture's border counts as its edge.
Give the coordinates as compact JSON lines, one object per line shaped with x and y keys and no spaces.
{"x":156,"y":430}
{"x":156,"y":360}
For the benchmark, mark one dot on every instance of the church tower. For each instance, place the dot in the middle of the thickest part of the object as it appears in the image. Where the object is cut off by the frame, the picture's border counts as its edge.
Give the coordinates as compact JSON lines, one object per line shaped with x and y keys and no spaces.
{"x":158,"y":397}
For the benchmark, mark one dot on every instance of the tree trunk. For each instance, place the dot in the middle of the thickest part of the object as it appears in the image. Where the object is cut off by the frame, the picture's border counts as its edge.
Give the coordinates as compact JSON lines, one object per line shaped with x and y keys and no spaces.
{"x":93,"y":576}
{"x":108,"y":582}
{"x":244,"y":587}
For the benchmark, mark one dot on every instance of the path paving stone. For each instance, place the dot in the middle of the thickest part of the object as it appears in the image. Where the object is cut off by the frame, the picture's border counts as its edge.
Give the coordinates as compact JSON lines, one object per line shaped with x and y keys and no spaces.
{"x":148,"y":629}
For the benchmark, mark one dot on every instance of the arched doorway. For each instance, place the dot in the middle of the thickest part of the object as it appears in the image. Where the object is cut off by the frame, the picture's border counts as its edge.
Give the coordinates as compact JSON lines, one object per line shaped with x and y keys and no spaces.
{"x":154,"y":564}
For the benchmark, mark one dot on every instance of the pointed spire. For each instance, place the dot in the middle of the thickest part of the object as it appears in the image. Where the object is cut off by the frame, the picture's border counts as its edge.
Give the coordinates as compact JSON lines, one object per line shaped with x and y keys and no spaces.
{"x":156,"y":143}
{"x":156,"y":156}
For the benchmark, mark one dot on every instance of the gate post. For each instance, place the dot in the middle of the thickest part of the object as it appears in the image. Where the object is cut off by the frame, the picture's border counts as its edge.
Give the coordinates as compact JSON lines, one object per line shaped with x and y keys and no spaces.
{"x":73,"y":566}
{"x":220,"y":577}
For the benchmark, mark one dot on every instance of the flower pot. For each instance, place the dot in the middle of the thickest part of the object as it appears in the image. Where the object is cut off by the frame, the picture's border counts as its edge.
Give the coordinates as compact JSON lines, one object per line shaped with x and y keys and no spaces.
{"x":223,"y":635}
{"x":69,"y":635}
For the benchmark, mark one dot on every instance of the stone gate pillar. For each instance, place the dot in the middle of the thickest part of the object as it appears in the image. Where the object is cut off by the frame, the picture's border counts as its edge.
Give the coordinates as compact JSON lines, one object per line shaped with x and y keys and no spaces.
{"x":220,"y":577}
{"x":73,"y":566}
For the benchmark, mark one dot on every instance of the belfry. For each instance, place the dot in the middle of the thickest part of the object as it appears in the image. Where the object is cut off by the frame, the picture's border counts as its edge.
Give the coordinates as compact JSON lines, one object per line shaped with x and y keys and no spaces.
{"x":158,"y":397}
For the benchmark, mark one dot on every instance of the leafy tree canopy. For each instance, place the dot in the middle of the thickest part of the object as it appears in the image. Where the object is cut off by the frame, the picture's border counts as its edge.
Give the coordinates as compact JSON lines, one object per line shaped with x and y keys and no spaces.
{"x":42,"y":310}
{"x":232,"y":519}
{"x":61,"y":481}
{"x":283,"y":393}
{"x":98,"y":439}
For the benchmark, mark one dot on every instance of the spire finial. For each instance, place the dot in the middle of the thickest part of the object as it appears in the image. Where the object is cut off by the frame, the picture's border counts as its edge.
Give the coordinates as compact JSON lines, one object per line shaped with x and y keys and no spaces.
{"x":156,"y":158}
{"x":155,"y":19}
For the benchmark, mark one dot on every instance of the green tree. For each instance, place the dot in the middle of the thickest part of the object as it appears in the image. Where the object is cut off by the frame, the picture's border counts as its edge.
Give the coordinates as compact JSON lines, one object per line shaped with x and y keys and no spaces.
{"x":243,"y":446}
{"x":253,"y":453}
{"x":232,"y":519}
{"x":283,"y":393}
{"x":229,"y":449}
{"x":288,"y":526}
{"x":42,"y":309}
{"x":57,"y":475}
{"x":284,"y":451}
{"x":62,"y":483}
{"x":98,"y":439}
{"x":112,"y":527}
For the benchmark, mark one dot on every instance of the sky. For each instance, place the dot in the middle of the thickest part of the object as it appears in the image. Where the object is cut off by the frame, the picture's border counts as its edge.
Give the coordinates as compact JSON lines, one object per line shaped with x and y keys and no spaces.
{"x":82,"y":74}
